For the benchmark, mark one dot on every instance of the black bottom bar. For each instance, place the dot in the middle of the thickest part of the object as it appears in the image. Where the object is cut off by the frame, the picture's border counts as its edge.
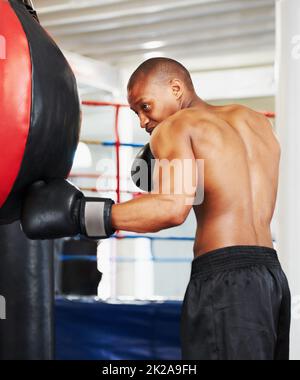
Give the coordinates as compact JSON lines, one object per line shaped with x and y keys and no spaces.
{"x":27,"y":285}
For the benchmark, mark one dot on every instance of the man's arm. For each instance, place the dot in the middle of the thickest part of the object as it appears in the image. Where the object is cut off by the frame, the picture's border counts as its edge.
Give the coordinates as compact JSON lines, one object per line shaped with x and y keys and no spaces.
{"x":58,"y":209}
{"x":171,"y":201}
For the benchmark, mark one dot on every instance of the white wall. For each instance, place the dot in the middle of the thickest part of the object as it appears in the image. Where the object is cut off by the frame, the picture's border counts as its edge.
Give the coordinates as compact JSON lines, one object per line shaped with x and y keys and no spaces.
{"x":288,"y":120}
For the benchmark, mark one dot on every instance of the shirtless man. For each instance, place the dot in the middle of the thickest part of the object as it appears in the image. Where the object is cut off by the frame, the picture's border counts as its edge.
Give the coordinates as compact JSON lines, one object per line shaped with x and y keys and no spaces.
{"x":237,"y":304}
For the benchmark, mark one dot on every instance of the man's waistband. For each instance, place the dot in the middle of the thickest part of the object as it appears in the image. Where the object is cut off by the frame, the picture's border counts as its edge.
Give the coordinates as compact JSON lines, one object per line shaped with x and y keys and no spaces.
{"x":233,"y":258}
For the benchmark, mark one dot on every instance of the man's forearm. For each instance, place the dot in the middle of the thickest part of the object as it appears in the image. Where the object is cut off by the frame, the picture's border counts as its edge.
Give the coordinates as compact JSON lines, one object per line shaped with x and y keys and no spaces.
{"x":146,"y":214}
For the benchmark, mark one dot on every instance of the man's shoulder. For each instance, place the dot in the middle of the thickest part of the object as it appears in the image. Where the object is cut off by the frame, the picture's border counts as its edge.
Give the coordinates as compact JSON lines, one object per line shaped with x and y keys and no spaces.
{"x":186,"y":119}
{"x":241,"y":112}
{"x":207,"y":120}
{"x":178,"y":123}
{"x":185,"y":124}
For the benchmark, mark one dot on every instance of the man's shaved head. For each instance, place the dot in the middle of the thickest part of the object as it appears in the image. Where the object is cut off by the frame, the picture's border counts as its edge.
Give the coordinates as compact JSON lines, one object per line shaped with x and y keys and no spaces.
{"x":159,"y":88}
{"x":161,"y":70}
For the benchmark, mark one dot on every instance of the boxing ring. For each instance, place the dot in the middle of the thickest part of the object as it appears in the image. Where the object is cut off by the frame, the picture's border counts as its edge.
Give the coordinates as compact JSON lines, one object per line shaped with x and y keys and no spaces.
{"x":121,"y":327}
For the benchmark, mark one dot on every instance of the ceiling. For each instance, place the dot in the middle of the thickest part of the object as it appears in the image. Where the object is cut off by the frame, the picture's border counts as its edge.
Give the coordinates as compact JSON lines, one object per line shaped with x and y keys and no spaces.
{"x":123,"y":31}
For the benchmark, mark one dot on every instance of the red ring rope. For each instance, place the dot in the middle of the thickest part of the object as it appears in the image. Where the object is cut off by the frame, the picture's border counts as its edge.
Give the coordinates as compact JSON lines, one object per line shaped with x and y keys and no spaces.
{"x":118,"y":143}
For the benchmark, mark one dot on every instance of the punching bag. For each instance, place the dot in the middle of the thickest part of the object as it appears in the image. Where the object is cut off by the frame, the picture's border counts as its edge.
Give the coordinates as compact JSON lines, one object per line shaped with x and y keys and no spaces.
{"x":39,"y":132}
{"x":40,"y":109}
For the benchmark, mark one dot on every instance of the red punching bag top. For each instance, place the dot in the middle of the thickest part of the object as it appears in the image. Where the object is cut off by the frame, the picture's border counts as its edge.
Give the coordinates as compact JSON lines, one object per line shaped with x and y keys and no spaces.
{"x":40,"y":108}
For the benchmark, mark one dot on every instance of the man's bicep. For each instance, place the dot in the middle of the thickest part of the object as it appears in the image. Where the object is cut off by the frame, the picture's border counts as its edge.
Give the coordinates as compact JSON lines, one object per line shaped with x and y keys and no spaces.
{"x":175,"y":172}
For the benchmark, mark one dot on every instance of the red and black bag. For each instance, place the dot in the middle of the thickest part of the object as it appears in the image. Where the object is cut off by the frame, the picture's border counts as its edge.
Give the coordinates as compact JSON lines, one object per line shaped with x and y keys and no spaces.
{"x":39,"y":107}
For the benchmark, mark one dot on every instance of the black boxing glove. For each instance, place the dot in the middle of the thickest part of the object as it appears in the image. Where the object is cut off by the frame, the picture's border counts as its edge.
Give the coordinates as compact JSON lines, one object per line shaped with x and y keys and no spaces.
{"x":142,"y":169}
{"x":58,"y":209}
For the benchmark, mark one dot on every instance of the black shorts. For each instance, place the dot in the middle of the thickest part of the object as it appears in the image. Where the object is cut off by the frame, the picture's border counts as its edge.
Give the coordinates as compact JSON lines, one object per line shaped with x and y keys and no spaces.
{"x":237,"y":307}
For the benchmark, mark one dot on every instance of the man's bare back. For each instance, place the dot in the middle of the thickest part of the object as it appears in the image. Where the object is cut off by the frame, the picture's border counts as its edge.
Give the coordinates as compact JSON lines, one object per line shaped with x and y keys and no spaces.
{"x":241,"y":157}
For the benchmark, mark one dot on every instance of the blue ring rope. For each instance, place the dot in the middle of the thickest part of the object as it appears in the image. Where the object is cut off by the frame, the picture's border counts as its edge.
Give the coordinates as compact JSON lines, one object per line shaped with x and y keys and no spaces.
{"x":65,"y":258}
{"x":153,"y":238}
{"x":128,"y":145}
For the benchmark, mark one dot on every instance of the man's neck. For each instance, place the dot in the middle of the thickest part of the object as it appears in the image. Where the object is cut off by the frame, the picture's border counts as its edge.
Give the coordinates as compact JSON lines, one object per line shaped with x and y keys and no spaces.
{"x":195,"y":101}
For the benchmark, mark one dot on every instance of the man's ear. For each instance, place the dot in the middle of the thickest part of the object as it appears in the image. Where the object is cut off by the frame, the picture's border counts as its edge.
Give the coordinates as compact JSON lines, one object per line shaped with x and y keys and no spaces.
{"x":177,"y":88}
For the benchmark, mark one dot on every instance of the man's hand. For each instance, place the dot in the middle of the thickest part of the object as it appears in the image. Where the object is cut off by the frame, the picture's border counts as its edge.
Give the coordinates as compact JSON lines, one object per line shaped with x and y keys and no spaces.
{"x":59,"y":209}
